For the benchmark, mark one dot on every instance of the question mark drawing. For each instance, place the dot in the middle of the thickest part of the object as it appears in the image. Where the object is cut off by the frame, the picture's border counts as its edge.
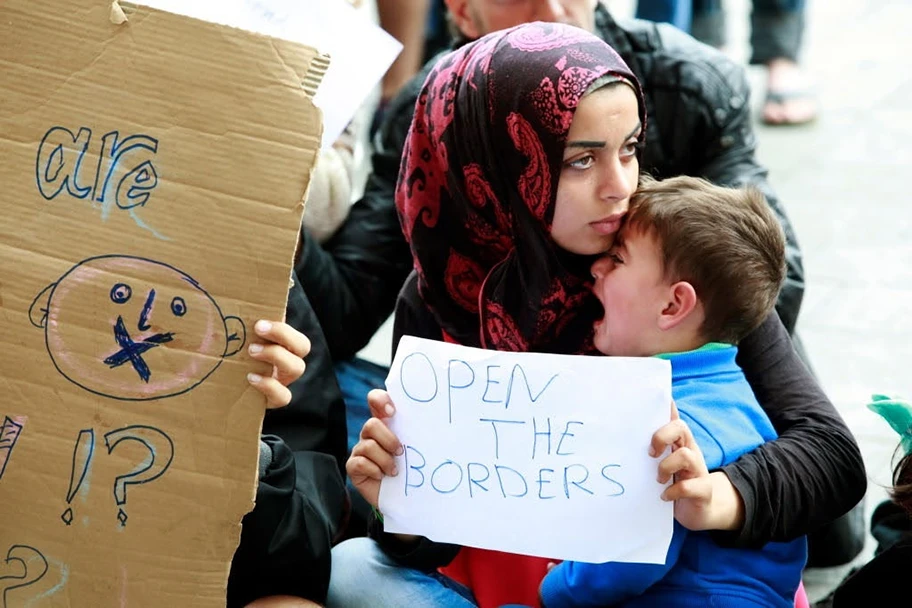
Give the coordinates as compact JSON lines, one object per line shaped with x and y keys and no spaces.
{"x":161,"y":453}
{"x":34,"y":567}
{"x":82,"y":460}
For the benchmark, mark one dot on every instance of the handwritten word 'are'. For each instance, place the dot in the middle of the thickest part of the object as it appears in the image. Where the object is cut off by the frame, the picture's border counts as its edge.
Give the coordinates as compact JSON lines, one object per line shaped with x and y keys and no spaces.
{"x":499,"y":382}
{"x":124,"y":173}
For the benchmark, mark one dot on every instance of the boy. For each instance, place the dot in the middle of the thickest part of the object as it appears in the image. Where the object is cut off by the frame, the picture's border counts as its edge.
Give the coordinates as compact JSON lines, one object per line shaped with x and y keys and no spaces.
{"x":695,"y":268}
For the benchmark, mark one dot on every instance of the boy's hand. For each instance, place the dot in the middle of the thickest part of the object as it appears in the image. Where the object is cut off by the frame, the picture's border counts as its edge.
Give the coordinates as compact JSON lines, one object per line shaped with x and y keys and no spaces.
{"x":284,"y":348}
{"x":703,"y":500}
{"x":373,"y":457}
{"x":691,"y":490}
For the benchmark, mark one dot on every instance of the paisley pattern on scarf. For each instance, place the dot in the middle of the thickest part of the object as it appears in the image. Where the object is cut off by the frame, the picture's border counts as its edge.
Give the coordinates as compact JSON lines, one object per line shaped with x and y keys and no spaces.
{"x":478,"y":184}
{"x":541,"y":37}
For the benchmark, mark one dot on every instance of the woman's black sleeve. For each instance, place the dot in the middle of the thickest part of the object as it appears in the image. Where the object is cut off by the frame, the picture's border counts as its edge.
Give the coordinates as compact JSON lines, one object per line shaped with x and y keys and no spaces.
{"x":814,"y":472}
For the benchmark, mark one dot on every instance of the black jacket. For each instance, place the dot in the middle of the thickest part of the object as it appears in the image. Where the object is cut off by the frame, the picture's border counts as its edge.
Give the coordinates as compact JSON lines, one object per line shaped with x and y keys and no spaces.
{"x":301,"y":501}
{"x":699,"y":123}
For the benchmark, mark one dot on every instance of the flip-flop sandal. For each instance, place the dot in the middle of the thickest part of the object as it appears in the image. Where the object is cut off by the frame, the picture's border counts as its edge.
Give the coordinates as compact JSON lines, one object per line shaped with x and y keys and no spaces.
{"x":783,"y":97}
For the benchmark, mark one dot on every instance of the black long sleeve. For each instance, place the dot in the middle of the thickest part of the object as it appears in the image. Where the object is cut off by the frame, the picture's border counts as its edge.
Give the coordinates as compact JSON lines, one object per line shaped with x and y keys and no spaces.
{"x":353,"y":278}
{"x":301,"y":501}
{"x":813,"y":472}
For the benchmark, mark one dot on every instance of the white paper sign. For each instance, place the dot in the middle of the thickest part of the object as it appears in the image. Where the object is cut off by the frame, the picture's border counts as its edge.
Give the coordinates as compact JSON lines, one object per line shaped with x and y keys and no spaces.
{"x":360,"y":51}
{"x":529,"y":453}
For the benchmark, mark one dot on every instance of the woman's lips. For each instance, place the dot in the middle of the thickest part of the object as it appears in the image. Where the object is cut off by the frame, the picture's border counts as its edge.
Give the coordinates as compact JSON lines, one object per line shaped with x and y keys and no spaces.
{"x":608,"y":226}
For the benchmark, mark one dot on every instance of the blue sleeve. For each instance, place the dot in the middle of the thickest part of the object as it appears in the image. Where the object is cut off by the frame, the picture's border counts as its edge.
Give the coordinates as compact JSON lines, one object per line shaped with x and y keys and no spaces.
{"x":572,"y":584}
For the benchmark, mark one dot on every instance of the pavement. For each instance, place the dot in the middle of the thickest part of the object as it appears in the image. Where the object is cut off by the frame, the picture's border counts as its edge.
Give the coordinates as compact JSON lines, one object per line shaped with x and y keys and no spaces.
{"x":840,"y":180}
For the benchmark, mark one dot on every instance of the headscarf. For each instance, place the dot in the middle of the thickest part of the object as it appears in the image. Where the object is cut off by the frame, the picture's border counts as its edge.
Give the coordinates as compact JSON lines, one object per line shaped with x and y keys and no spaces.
{"x":478,"y":184}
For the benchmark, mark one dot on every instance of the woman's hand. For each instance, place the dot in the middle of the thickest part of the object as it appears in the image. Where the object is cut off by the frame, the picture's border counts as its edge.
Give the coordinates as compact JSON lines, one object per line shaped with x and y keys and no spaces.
{"x":703,"y":500}
{"x":284,"y":348}
{"x":374,"y":456}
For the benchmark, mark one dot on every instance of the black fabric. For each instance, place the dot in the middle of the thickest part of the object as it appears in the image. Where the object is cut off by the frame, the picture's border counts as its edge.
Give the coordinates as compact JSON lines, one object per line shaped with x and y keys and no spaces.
{"x":700,"y":124}
{"x":880,"y":582}
{"x":814,"y":472}
{"x":838,"y":542}
{"x":424,"y":555}
{"x":882,"y":579}
{"x":301,"y":501}
{"x":790,"y":487}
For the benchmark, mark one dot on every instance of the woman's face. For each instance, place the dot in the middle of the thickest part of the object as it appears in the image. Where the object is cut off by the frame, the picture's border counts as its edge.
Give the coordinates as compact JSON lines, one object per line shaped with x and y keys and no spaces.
{"x":600,"y":170}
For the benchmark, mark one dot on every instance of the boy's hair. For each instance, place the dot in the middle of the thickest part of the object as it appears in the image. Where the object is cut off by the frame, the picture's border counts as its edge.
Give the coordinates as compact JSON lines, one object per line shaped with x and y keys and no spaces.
{"x":726,"y":242}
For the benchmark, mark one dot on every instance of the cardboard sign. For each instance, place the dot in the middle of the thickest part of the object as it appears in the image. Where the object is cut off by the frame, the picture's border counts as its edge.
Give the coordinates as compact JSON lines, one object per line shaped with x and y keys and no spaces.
{"x":529,"y":453}
{"x":153,"y":177}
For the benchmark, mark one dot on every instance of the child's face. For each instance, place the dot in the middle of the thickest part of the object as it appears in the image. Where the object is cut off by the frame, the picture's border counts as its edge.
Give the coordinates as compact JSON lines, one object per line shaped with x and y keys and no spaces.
{"x":629,"y":283}
{"x":600,"y":171}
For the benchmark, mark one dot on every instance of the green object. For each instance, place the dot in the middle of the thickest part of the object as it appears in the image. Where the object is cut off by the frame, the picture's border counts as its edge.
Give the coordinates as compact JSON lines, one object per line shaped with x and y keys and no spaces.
{"x":709,"y":346}
{"x":898,"y":413}
{"x":378,"y":514}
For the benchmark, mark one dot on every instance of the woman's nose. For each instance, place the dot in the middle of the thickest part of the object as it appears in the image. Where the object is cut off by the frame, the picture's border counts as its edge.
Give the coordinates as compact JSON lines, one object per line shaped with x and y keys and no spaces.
{"x":618,"y":185}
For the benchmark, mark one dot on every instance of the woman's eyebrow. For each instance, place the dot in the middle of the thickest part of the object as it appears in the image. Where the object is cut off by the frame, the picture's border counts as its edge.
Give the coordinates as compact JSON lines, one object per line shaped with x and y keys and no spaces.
{"x":586,"y":143}
{"x":592,"y":143}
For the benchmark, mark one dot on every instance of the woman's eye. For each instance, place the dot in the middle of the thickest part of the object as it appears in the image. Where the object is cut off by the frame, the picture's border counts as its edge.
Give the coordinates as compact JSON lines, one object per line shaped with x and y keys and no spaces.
{"x":630,"y":149}
{"x":581,"y":163}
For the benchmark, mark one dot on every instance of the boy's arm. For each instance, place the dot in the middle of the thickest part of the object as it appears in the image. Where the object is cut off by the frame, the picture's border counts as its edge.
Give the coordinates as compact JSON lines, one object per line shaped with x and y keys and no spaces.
{"x":572,"y":584}
{"x":582,"y":584}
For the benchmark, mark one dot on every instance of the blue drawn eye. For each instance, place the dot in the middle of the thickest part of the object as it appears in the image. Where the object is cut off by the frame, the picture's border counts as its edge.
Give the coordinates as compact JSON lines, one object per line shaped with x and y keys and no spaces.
{"x":178,"y":307}
{"x":120,"y":293}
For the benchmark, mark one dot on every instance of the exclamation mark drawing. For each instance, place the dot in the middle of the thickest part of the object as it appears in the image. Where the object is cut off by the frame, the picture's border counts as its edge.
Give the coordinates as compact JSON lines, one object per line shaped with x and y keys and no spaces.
{"x":82,"y":460}
{"x":9,"y":433}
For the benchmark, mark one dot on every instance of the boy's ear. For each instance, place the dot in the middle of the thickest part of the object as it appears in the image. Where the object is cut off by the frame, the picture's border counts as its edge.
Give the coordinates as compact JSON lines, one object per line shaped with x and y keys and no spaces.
{"x":682,"y":300}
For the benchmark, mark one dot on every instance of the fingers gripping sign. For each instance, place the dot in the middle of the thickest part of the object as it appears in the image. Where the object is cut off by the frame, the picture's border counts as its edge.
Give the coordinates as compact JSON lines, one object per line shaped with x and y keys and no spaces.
{"x":374,"y":456}
{"x":284,"y":348}
{"x":691,"y":487}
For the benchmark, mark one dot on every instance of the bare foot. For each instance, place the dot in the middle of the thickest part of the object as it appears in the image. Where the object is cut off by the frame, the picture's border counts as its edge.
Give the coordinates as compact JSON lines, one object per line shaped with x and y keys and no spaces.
{"x":789,"y":98}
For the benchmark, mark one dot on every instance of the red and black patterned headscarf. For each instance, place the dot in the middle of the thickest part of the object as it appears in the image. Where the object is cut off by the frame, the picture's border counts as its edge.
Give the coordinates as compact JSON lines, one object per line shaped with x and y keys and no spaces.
{"x":478,"y":184}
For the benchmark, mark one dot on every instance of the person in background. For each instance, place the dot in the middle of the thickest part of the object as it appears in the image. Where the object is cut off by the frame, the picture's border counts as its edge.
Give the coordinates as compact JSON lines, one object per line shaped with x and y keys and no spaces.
{"x":883,"y":579}
{"x":283,"y":560}
{"x":776,"y":38}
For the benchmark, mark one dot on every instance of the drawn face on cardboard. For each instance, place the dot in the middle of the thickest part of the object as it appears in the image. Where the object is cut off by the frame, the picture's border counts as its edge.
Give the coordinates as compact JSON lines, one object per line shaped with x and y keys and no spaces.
{"x":134,"y":329}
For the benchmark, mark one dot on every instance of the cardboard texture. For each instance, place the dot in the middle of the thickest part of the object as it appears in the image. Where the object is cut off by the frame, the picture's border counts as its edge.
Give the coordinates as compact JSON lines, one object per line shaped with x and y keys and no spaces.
{"x":153,"y":177}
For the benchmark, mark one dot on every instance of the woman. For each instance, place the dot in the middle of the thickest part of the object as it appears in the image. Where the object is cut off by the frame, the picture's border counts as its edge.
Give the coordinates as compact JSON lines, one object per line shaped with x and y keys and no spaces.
{"x":506,"y":193}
